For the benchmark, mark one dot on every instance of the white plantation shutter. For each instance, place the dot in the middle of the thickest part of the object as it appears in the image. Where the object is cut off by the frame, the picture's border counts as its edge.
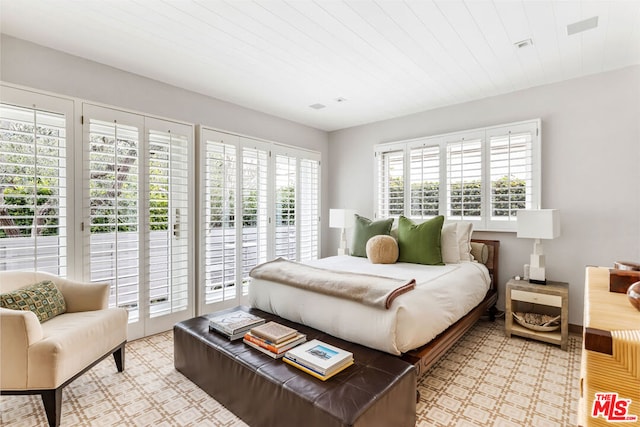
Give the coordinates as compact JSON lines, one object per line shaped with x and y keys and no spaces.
{"x":285,"y":206}
{"x":464,"y":178}
{"x":259,"y":200}
{"x":169,"y":217}
{"x":309,"y":209}
{"x":114,"y":159}
{"x":34,"y":193}
{"x":482,"y":176}
{"x":138,"y":215}
{"x":390,"y":183}
{"x":513,"y":173}
{"x":219,"y":178}
{"x":424,"y":171}
{"x":254,"y":209}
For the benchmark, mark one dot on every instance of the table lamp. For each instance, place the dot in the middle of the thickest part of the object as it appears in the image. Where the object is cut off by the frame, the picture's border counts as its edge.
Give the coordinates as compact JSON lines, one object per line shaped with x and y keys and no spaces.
{"x":342,"y":218}
{"x":538,"y":224}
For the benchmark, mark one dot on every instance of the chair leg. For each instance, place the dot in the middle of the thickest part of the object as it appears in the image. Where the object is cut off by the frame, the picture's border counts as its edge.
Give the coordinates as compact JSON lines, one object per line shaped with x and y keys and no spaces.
{"x":52,"y":401}
{"x":118,"y":356}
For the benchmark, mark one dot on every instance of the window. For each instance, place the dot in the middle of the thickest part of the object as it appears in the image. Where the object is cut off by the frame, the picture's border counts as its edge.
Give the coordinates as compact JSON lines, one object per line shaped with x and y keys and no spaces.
{"x":424,"y":173}
{"x":260,"y":200}
{"x":138,"y":215}
{"x":35,"y":207}
{"x":390,"y":183}
{"x":483,"y":176}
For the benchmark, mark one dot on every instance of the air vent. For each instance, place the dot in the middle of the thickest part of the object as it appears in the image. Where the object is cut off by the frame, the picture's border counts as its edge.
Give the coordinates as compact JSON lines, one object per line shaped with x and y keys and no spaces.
{"x":580,"y":26}
{"x":317,"y":106}
{"x":523,"y":43}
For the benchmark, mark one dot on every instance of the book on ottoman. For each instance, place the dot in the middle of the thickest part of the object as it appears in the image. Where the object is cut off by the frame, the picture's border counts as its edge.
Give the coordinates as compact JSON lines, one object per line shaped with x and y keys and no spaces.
{"x":274,"y":332}
{"x":319,"y":357}
{"x":235,"y":324}
{"x":276,"y":349}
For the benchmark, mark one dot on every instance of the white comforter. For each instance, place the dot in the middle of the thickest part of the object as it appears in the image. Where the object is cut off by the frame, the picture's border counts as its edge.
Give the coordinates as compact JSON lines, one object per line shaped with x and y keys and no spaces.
{"x":443,"y":294}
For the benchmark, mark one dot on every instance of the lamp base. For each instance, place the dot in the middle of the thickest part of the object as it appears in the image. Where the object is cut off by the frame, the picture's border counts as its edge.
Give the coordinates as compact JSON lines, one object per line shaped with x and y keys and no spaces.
{"x":538,"y":282}
{"x":343,"y":251}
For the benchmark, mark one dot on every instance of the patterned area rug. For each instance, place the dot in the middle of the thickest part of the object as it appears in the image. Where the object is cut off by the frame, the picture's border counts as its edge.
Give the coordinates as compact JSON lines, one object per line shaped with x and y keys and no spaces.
{"x":485,"y":380}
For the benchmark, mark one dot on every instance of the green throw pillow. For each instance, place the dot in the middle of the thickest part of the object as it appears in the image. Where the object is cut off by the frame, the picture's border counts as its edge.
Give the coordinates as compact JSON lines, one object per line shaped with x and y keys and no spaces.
{"x":420,"y":243}
{"x":43,"y":298}
{"x":364,"y":230}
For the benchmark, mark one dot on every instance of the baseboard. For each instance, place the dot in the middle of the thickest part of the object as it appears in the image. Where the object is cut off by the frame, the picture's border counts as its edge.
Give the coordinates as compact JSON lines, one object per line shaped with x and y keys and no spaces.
{"x":575,"y":329}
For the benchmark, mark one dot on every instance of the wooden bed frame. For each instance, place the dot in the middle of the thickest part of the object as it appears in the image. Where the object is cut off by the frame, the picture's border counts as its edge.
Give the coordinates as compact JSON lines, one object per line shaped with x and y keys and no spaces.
{"x":426,"y":356}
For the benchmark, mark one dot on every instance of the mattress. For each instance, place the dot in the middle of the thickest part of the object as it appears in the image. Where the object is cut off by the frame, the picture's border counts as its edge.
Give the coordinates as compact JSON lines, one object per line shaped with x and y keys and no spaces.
{"x":443,"y":295}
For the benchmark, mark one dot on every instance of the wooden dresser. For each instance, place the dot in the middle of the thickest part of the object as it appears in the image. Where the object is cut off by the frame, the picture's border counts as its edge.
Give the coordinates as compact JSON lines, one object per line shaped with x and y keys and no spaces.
{"x":610,"y":354}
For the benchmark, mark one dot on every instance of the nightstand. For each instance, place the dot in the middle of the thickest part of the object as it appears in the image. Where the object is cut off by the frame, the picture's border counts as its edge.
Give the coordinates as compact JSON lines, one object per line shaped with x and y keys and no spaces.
{"x":552,"y":298}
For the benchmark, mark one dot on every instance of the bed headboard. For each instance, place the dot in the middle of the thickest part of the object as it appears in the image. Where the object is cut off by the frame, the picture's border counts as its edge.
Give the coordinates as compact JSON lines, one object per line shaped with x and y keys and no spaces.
{"x":492,"y":260}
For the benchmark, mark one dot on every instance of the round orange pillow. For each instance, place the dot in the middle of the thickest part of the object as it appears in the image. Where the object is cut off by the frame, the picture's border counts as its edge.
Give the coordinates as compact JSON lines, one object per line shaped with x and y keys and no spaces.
{"x":382,"y":249}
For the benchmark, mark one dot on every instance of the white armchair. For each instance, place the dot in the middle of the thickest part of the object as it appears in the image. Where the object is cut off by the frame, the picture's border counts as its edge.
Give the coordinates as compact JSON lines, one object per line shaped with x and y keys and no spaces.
{"x":43,"y":358}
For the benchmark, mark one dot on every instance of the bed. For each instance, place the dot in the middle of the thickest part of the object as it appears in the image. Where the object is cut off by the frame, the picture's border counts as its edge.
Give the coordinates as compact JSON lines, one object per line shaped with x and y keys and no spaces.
{"x":419,"y":325}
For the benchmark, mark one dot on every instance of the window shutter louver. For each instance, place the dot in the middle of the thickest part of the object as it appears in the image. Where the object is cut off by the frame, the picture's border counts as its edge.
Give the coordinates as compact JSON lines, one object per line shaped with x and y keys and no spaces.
{"x":254,"y":211}
{"x":274,"y":191}
{"x":308,"y":203}
{"x":168,"y":227}
{"x":285,"y":207}
{"x":483,"y":176}
{"x":114,"y":159}
{"x":390,"y":184}
{"x":425,"y":181}
{"x":33,"y":189}
{"x":219,"y":220}
{"x":464,"y":179}
{"x":512,"y":172}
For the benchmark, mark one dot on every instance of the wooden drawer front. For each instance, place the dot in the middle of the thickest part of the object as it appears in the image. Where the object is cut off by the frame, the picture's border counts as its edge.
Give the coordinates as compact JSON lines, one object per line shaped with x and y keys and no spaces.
{"x":532,"y":297}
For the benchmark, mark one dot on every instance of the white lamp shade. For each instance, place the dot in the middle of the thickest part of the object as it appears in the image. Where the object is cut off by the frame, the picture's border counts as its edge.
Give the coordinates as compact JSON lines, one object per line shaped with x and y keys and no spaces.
{"x":539,"y":223}
{"x":341,"y":218}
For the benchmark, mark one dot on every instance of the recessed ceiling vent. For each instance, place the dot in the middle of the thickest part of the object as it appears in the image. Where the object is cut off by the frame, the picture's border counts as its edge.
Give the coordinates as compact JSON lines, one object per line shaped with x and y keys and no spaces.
{"x":523,"y":43}
{"x":580,"y":26}
{"x":317,"y":106}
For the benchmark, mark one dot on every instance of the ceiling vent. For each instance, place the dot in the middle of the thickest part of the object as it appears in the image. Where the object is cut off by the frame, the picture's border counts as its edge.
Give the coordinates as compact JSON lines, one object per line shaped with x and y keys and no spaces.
{"x":317,"y":106}
{"x":584,"y":25}
{"x":523,"y":43}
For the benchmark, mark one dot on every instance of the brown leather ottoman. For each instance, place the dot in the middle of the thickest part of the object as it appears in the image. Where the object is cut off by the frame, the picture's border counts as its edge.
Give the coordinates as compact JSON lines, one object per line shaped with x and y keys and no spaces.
{"x":378,"y":390}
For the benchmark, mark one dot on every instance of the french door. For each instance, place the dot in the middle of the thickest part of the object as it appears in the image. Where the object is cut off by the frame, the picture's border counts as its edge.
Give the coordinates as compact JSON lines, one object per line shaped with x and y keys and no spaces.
{"x":258,"y":200}
{"x":138,"y":215}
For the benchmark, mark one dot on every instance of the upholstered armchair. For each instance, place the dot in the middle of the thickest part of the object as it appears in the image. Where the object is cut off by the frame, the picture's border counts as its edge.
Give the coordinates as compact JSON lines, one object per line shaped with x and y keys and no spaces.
{"x":43,"y":358}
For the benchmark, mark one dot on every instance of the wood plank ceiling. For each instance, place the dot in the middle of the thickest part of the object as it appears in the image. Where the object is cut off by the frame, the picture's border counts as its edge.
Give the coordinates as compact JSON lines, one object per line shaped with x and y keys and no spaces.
{"x":385,"y":58}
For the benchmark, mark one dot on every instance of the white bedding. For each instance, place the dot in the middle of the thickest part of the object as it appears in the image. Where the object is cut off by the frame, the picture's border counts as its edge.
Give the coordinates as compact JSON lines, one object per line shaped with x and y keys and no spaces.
{"x":443,"y":294}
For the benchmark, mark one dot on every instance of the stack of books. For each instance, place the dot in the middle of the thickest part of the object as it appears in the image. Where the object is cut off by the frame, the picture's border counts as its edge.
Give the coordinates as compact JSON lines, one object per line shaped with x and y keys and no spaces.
{"x":319,"y":359}
{"x":273,"y":339}
{"x":235,"y":324}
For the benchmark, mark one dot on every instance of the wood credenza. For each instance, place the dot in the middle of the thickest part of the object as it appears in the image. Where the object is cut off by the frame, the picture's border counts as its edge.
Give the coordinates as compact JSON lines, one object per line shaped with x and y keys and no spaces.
{"x":610,"y":355}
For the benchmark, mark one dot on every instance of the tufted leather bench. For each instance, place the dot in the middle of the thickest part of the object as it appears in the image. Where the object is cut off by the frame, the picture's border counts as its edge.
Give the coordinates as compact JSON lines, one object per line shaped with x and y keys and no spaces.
{"x":378,"y":390}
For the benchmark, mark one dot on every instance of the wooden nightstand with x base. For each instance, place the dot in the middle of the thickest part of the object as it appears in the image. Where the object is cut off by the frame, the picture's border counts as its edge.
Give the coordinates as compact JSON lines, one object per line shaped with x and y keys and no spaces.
{"x":552,"y":299}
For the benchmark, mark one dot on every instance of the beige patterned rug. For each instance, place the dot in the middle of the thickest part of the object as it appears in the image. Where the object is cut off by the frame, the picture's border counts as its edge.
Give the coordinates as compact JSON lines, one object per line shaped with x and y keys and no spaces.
{"x":485,"y":380}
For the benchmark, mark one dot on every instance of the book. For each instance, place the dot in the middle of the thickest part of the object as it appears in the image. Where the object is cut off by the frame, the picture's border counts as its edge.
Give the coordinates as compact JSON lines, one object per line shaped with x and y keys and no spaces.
{"x":231,"y":337}
{"x":317,"y":374}
{"x":319,"y":356}
{"x":274,"y":332}
{"x":276,"y":348}
{"x":235,"y":322}
{"x":263,"y":350}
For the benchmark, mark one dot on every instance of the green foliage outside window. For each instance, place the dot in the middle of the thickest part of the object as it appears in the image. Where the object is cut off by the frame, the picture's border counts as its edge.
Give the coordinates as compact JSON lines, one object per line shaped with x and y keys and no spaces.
{"x":508,"y":195}
{"x":29,"y":198}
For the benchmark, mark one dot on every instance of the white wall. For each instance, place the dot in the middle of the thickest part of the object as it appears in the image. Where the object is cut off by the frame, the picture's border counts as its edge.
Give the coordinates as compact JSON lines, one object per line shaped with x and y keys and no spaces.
{"x":27,"y":64}
{"x":590,"y":169}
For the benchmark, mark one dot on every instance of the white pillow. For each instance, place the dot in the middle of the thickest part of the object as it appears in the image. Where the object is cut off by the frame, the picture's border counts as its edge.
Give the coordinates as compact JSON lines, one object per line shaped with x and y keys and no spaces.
{"x":449,"y":243}
{"x":464,"y":240}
